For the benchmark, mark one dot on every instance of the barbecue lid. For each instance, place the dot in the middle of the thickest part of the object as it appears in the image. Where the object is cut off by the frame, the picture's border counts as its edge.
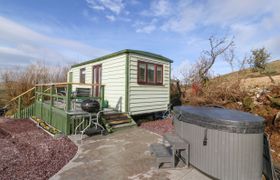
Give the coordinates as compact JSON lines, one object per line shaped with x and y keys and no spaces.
{"x":221,"y":119}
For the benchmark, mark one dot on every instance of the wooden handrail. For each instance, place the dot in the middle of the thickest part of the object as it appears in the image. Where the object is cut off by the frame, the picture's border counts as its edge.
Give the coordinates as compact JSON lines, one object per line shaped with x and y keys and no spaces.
{"x":21,"y":94}
{"x":47,"y":89}
{"x":66,"y":83}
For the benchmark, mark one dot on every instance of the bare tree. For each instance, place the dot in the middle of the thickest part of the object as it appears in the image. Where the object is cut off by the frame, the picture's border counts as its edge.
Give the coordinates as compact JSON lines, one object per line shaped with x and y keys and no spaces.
{"x":19,"y":79}
{"x":218,"y":46}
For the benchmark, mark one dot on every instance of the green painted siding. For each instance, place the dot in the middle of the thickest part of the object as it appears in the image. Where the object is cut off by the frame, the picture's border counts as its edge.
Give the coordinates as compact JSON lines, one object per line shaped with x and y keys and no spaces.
{"x":55,"y":117}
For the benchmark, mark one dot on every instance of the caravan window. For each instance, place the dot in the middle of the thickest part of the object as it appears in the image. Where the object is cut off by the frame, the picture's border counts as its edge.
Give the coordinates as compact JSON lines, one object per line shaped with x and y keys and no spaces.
{"x":150,"y":73}
{"x":142,"y":72}
{"x":83,"y":75}
{"x":159,"y":74}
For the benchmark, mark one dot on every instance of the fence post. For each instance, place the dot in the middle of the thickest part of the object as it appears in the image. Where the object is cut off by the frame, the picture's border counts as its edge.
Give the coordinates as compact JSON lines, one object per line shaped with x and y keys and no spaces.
{"x":41,"y":101}
{"x":68,"y":96}
{"x":35,"y":101}
{"x":19,"y":106}
{"x":51,"y":102}
{"x":102,"y":96}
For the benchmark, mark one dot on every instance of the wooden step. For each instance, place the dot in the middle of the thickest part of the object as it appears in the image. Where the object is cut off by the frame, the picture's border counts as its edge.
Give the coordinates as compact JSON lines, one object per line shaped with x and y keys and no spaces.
{"x":118,"y":121}
{"x":115,"y":122}
{"x":115,"y":116}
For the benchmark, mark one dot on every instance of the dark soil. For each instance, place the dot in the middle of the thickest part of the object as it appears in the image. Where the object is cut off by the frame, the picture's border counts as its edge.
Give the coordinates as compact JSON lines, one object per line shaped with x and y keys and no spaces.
{"x":158,"y":126}
{"x":27,"y":152}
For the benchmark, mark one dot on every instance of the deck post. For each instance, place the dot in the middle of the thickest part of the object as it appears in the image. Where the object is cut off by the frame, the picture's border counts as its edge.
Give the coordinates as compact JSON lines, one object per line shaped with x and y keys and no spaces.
{"x":102,"y":96}
{"x":51,"y":102}
{"x":35,"y":101}
{"x":68,"y":96}
{"x":41,"y":101}
{"x":68,"y":107}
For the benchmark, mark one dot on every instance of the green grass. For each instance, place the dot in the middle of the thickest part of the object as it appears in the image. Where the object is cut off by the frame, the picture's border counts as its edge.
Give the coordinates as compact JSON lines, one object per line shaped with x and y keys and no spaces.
{"x":273,"y":67}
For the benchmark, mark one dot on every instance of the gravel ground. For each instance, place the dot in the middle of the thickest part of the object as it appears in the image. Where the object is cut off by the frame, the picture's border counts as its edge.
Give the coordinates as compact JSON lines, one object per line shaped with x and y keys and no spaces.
{"x":27,"y":152}
{"x":158,"y":126}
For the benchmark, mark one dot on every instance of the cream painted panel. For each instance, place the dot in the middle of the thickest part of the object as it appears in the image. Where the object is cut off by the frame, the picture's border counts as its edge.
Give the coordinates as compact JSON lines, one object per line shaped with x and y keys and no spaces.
{"x":147,"y":98}
{"x":113,"y":77}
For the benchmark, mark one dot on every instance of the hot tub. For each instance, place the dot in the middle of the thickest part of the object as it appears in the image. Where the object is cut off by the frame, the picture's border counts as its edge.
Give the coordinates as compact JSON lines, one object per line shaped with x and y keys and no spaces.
{"x":225,"y":144}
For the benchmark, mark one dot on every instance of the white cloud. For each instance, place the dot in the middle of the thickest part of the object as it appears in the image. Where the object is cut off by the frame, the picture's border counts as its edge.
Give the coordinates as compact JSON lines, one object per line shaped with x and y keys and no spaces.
{"x":185,"y":16}
{"x":146,"y":29}
{"x":111,"y":17}
{"x":21,"y":45}
{"x":143,"y":27}
{"x":253,"y":23}
{"x":115,"y":6}
{"x":272,"y":45}
{"x":158,"y":8}
{"x":183,"y":21}
{"x":226,"y":12}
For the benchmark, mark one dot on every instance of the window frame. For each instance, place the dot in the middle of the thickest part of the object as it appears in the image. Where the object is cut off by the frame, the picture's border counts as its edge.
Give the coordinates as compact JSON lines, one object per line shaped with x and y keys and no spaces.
{"x":83,"y":69}
{"x":145,"y":82}
{"x":138,"y":72}
{"x":161,"y":82}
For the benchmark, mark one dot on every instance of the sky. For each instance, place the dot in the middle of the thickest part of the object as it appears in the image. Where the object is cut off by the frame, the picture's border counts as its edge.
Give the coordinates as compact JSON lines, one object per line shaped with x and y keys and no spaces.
{"x":71,"y":31}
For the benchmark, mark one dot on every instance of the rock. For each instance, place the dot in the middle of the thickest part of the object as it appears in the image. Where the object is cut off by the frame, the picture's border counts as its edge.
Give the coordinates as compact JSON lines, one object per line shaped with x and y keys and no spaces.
{"x":276,"y":119}
{"x":274,"y":101}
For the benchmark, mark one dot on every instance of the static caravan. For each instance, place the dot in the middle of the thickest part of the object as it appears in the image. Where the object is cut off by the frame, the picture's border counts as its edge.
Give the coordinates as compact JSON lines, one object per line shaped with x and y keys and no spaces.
{"x":135,"y":82}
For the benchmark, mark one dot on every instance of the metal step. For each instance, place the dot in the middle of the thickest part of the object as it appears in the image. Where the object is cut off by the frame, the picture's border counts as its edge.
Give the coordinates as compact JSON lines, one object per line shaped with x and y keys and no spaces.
{"x":162,"y":153}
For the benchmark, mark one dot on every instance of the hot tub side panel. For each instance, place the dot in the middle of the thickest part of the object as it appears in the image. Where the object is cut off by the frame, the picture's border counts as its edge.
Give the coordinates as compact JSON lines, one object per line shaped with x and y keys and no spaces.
{"x":226,"y":155}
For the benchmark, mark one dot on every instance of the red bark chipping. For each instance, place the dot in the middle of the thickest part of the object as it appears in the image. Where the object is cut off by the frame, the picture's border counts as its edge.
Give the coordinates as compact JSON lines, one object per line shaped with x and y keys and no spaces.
{"x":159,"y":126}
{"x":27,"y":152}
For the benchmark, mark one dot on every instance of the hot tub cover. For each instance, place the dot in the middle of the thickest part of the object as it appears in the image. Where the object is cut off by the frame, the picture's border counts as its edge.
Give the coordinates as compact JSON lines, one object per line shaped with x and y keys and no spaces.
{"x":220,"y":119}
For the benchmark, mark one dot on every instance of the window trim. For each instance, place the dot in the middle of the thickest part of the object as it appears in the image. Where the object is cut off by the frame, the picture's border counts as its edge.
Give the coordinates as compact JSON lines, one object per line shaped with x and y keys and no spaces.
{"x":138,"y":72}
{"x":161,"y":82}
{"x":146,"y":77}
{"x":81,"y":75}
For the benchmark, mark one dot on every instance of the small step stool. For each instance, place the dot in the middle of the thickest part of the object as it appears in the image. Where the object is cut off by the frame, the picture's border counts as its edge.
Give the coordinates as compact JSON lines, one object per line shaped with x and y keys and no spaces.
{"x":178,"y":148}
{"x":162,"y":153}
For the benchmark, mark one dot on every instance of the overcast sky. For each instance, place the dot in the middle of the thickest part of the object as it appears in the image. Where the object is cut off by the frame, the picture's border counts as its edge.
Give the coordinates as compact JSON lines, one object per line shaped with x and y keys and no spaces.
{"x":68,"y":31}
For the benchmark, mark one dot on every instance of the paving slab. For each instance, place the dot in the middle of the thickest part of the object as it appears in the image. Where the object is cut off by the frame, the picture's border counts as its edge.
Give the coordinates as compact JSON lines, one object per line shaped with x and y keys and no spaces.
{"x":121,"y":155}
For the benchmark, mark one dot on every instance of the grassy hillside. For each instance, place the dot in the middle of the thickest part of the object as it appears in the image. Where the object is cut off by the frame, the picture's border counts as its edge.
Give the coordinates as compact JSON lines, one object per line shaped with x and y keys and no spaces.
{"x":273,"y":67}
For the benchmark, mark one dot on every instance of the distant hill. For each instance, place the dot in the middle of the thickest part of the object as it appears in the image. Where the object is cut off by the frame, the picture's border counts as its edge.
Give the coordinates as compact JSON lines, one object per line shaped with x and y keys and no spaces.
{"x":250,"y":78}
{"x":273,"y":67}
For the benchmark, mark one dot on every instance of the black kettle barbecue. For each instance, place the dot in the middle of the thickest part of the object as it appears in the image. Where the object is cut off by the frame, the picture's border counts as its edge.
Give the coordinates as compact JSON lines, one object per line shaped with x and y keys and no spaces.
{"x":91,"y":106}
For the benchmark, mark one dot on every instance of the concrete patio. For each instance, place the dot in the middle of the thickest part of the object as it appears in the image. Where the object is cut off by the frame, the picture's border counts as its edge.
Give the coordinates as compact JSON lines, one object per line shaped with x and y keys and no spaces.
{"x":121,"y":155}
